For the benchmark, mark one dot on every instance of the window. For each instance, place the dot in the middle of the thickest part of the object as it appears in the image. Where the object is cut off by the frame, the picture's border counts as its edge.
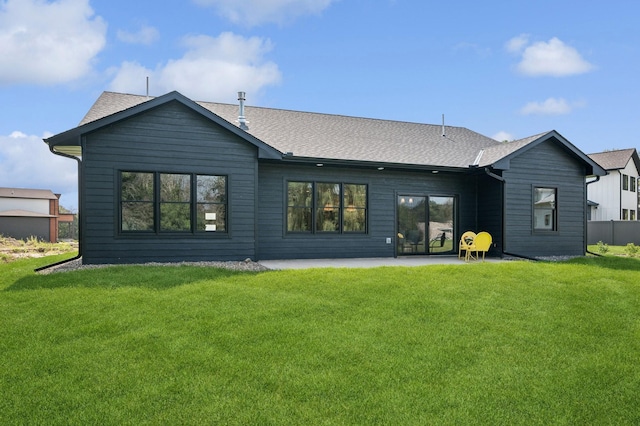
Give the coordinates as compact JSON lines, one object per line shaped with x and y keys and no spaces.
{"x":152,"y":202}
{"x":632,"y":184}
{"x":544,"y":209}
{"x":175,"y":202}
{"x":211,"y":203}
{"x":299,"y":205}
{"x":326,"y":207}
{"x":625,"y":182}
{"x":632,"y":215}
{"x":136,"y":201}
{"x":625,"y":214}
{"x":355,"y":208}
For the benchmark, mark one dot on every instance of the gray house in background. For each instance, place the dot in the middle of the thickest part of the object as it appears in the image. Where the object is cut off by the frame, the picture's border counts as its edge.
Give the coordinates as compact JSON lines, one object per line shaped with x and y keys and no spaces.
{"x":31,"y":213}
{"x":615,"y":196}
{"x":170,"y":179}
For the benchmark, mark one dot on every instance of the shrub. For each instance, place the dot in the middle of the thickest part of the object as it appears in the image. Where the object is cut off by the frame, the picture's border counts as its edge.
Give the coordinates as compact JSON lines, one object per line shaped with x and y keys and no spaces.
{"x":631,"y":249}
{"x":602,"y":247}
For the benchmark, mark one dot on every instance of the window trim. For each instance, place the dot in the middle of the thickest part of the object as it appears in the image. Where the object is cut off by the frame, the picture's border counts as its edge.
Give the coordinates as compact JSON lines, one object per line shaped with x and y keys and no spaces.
{"x":156,"y":230}
{"x":315,"y":206}
{"x":554,"y":213}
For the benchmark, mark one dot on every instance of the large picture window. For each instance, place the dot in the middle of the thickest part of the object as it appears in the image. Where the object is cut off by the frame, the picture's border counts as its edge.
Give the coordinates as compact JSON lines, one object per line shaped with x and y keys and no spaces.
{"x":545,"y":209}
{"x":152,"y":202}
{"x":326,"y":207}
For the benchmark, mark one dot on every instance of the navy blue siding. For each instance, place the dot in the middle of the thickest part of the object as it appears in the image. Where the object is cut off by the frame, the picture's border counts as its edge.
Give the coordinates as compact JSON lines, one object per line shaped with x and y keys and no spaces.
{"x":170,"y":138}
{"x":490,"y":210}
{"x":546,"y":165}
{"x":383,"y":186}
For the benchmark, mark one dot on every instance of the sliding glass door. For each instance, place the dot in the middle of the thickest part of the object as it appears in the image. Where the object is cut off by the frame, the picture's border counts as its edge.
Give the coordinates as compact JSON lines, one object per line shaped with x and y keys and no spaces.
{"x":425,"y":224}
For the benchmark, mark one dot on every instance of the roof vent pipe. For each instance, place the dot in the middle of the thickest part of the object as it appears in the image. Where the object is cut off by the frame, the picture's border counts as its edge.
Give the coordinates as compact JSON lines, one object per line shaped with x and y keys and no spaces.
{"x":443,"y":132}
{"x":241,"y":118}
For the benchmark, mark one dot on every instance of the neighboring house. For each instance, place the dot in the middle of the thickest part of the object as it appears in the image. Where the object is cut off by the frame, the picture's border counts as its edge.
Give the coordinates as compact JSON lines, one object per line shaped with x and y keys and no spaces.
{"x":26,"y":213}
{"x":170,"y":179}
{"x":615,"y":196}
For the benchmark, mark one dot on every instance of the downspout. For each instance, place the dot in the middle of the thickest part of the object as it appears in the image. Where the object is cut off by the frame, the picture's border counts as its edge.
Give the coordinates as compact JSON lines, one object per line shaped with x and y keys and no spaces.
{"x":586,"y":243}
{"x":503,"y":252}
{"x":62,"y":154}
{"x":620,"y":198}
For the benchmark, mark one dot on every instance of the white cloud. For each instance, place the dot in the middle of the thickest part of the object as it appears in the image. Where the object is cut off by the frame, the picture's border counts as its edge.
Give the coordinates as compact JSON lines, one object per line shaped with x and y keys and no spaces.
{"x":553,"y":58}
{"x":551,"y":106}
{"x":503,"y":136}
{"x":255,"y":12}
{"x":26,"y":162}
{"x":210,"y":69}
{"x":516,"y":44}
{"x":146,"y":35}
{"x":48,"y":42}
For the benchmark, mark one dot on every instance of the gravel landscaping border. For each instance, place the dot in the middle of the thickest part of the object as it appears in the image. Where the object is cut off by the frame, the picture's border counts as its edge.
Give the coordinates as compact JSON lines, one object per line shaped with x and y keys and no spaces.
{"x":76,"y":264}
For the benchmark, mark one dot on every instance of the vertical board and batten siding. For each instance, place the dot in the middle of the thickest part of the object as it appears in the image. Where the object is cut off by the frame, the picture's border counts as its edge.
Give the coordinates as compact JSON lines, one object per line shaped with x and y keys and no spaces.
{"x":545,"y":165}
{"x":171,"y":139}
{"x":607,"y":193}
{"x":383,"y":188}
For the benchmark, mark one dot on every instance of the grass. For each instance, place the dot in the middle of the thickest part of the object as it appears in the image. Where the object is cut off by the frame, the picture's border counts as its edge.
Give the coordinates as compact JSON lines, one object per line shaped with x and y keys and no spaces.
{"x":12,"y":249}
{"x":630,"y":250}
{"x":507,"y":343}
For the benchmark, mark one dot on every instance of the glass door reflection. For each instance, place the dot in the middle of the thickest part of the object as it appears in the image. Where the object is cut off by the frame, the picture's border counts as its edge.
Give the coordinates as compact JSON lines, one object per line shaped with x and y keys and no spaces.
{"x":425,"y":224}
{"x":412,"y":218}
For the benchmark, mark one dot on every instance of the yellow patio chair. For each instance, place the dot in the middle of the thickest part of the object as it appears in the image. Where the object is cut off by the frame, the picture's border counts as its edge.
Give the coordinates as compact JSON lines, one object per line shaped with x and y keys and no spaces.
{"x":466,"y":241}
{"x":482,"y":243}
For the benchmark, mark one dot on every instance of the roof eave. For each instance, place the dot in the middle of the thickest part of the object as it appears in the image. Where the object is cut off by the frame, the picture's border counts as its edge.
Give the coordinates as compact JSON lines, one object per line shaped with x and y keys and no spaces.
{"x":593,"y":168}
{"x":322,"y":162}
{"x":63,"y":142}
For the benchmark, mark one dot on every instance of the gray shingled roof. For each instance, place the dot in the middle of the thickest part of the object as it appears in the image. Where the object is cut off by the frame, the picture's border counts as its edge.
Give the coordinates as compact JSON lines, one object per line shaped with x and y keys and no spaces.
{"x":40,"y":194}
{"x":493,"y":153}
{"x":23,"y":213}
{"x":338,"y":137}
{"x":615,"y":160}
{"x":308,"y":136}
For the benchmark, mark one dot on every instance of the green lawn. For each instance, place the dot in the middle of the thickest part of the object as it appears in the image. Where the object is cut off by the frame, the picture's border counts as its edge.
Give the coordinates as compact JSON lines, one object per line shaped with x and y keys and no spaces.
{"x":500,"y":343}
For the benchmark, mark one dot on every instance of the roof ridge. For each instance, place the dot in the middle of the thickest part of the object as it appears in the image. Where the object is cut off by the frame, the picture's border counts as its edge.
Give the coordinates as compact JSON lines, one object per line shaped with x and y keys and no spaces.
{"x":612,"y":151}
{"x":249,"y":106}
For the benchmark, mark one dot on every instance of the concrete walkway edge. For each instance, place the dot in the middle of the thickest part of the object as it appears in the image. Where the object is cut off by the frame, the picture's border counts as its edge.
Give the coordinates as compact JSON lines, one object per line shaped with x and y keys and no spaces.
{"x":368,"y":262}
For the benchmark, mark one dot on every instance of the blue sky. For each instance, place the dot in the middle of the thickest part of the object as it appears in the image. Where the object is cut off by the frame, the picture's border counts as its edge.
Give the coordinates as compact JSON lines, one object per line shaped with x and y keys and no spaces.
{"x":506,"y":69}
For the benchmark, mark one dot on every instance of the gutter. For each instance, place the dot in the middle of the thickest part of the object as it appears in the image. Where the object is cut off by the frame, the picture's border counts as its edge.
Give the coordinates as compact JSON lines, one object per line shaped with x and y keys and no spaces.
{"x":502,"y":252}
{"x":586,"y":244}
{"x":62,"y":154}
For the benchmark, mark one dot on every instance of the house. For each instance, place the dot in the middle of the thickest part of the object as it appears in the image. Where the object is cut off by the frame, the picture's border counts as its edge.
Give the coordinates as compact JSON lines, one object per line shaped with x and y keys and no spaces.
{"x":26,"y":213}
{"x":615,"y":196}
{"x":171,"y":179}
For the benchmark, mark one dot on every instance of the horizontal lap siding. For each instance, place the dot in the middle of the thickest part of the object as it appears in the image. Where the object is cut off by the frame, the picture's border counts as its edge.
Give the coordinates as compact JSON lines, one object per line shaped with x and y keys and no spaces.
{"x":490,"y":210}
{"x":383,"y":186}
{"x":170,"y":138}
{"x":546,"y":165}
